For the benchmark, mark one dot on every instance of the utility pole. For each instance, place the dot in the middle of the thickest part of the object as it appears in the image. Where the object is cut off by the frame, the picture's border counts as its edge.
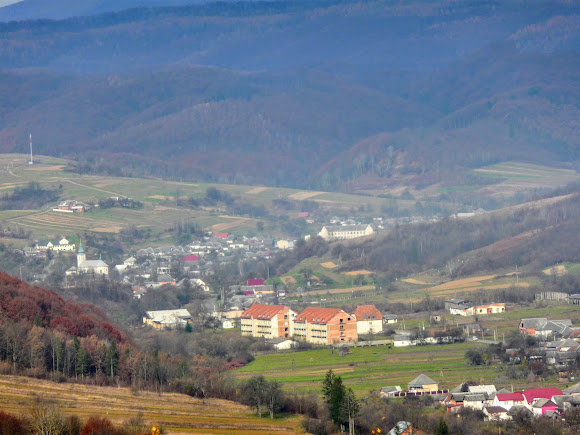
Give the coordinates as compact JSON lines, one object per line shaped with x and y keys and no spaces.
{"x":31,"y":161}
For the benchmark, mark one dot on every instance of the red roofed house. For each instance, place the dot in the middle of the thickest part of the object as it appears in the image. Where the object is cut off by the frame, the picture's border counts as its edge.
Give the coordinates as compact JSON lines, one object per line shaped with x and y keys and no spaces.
{"x":533,"y":394}
{"x":369,"y":319}
{"x":256,"y":281}
{"x":221,"y":235}
{"x":303,"y":214}
{"x":268,"y":321}
{"x":190,"y":258}
{"x":325,"y":326}
{"x":508,"y":400}
{"x":541,"y":406}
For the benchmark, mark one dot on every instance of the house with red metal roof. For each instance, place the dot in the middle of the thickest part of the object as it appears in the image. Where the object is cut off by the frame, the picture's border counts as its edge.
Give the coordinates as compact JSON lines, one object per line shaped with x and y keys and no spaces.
{"x":542,"y":406}
{"x":325,"y":326}
{"x":533,"y":394}
{"x":267,"y":321}
{"x":507,"y":400}
{"x":369,"y":319}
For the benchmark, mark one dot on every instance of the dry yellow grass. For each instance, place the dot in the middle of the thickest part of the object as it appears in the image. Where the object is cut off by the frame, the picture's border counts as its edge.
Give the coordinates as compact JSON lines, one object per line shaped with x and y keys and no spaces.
{"x":44,"y":168}
{"x":288,"y":279}
{"x":415,"y":281}
{"x":227,"y":225}
{"x":176,"y":413}
{"x":257,"y":190}
{"x":328,"y":265}
{"x":357,"y":272}
{"x":299,"y":196}
{"x":461,"y":283}
{"x":559,"y":270}
{"x":337,"y":290}
{"x":479,"y":287}
{"x":107,"y":230}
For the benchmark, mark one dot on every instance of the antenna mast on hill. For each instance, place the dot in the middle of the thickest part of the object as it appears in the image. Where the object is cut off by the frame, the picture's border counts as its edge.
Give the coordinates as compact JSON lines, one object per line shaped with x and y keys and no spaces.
{"x":31,"y":161}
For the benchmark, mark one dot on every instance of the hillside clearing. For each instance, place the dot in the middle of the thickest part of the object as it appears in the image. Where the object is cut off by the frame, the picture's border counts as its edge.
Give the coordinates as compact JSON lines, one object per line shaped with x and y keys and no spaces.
{"x":176,"y":413}
{"x":358,"y":272}
{"x":415,"y":281}
{"x":557,"y":270}
{"x":328,"y":265}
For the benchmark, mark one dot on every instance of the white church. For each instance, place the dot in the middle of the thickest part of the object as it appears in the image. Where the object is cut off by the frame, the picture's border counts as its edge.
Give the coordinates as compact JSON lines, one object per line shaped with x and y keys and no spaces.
{"x":96,"y":267}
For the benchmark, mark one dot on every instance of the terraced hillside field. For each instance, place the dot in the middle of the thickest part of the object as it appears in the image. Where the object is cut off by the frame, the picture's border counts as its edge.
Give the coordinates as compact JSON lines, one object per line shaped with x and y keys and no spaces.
{"x":176,"y":413}
{"x":159,"y":197}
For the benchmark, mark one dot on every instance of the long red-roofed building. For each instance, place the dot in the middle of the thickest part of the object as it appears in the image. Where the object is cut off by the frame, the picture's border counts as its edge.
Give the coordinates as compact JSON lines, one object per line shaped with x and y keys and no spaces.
{"x":267,"y":321}
{"x":325,"y":326}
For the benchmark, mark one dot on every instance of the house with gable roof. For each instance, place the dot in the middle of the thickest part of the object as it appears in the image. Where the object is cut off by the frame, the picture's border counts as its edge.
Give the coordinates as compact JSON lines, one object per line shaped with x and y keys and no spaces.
{"x":405,"y":428}
{"x":573,"y":390}
{"x":422,"y":384}
{"x":495,"y":413}
{"x":325,"y":326}
{"x":369,"y":319}
{"x":390,"y":391}
{"x":167,"y":319}
{"x":543,"y":327}
{"x":542,"y":406}
{"x":508,"y":400}
{"x":534,"y":394}
{"x":268,"y":321}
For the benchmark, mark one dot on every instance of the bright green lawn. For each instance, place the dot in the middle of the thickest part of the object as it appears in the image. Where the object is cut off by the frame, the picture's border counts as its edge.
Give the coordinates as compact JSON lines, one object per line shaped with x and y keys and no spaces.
{"x":371,"y":368}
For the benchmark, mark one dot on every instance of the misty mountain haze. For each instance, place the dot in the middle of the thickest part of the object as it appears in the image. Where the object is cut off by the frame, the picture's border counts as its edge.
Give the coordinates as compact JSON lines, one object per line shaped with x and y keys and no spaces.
{"x":317,"y":93}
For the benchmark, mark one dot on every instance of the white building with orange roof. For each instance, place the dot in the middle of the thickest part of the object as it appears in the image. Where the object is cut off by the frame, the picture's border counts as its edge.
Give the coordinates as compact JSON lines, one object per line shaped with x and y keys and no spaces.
{"x":268,"y":321}
{"x":325,"y":326}
{"x":369,"y":320}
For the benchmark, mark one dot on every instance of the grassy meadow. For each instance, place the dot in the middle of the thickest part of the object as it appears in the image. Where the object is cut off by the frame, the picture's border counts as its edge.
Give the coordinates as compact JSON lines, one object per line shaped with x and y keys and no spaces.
{"x":370,"y":368}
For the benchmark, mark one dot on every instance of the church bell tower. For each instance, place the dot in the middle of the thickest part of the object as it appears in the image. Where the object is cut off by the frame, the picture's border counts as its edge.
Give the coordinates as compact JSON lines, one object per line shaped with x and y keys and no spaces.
{"x":81,"y":256}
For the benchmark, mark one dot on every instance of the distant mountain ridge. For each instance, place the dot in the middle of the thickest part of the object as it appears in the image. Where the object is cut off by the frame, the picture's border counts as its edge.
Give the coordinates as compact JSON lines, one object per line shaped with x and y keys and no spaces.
{"x":314,"y":94}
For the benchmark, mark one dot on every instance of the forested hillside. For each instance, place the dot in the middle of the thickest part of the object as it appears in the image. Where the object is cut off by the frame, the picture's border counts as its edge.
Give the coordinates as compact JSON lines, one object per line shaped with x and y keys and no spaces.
{"x":44,"y":336}
{"x":327,"y":94}
{"x":535,"y":235}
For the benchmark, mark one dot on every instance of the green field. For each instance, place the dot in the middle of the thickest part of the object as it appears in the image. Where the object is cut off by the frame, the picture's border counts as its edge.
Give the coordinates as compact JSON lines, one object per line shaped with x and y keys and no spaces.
{"x":370,"y":368}
{"x":522,"y":177}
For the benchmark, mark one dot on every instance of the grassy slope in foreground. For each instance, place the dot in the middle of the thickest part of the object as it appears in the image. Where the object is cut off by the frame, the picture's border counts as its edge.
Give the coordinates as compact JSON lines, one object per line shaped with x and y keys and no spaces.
{"x":176,"y":413}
